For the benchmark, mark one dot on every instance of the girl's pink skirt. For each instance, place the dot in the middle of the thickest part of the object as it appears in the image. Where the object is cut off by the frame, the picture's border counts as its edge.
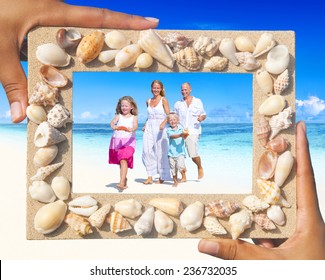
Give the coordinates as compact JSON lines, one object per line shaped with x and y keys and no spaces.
{"x":125,"y":153}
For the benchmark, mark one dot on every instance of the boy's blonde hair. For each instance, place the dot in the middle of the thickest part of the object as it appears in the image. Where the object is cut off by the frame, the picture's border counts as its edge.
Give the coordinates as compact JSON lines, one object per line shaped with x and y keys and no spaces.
{"x":172,"y":114}
{"x":134,"y":111}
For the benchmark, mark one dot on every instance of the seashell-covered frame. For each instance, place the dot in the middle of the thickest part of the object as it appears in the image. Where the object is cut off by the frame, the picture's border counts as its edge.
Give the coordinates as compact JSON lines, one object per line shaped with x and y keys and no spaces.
{"x":44,"y":35}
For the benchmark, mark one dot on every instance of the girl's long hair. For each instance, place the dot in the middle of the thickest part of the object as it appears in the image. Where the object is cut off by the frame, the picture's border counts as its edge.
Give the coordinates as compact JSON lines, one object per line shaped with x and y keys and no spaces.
{"x":130,"y":99}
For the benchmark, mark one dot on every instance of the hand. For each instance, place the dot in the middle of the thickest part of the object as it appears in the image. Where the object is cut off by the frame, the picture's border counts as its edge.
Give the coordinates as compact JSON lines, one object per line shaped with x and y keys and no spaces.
{"x":162,"y":125}
{"x":200,"y":118}
{"x":18,"y":17}
{"x":307,"y":242}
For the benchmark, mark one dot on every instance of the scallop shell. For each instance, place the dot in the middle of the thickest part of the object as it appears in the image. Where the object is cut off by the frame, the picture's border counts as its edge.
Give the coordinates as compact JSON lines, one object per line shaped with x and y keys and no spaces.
{"x":116,"y":40}
{"x":264,"y":44}
{"x":53,"y":76}
{"x":118,"y":223}
{"x":192,"y":216}
{"x":253,"y":203}
{"x":228,"y":49}
{"x":129,"y":208}
{"x":280,"y":121}
{"x":163,"y":224}
{"x":90,"y":46}
{"x":266,"y":164}
{"x":41,"y":191}
{"x":68,"y":38}
{"x":46,"y":135}
{"x":213,"y":226}
{"x":49,"y":217}
{"x":58,"y":116}
{"x":273,"y":105}
{"x":278,"y":144}
{"x":107,"y":56}
{"x":176,"y":41}
{"x":276,"y":214}
{"x":152,"y":44}
{"x":271,"y":193}
{"x":221,"y":208}
{"x":97,"y":219}
{"x":127,"y":56}
{"x":216,"y":63}
{"x":263,"y":131}
{"x":44,"y":156}
{"x":61,"y":187}
{"x":188,"y":58}
{"x":283,"y":168}
{"x":247,"y":61}
{"x":171,"y":206}
{"x":44,"y":95}
{"x":206,"y":46}
{"x":277,"y":60}
{"x":83,"y":205}
{"x":244,"y":44}
{"x":264,"y":81}
{"x":78,"y":224}
{"x":45,"y":171}
{"x":52,"y":54}
{"x":239,"y":222}
{"x":36,"y":113}
{"x":282,"y":82}
{"x":264,"y":221}
{"x":145,"y":223}
{"x":144,"y":61}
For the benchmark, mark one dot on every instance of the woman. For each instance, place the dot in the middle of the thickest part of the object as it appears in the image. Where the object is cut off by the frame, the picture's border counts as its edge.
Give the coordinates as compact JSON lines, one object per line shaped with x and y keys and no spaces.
{"x":155,"y":141}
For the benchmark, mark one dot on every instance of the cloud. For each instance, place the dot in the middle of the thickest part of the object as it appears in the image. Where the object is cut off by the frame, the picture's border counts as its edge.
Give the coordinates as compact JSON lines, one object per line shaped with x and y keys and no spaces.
{"x":87,"y":115}
{"x":311,"y":107}
{"x":8,"y":114}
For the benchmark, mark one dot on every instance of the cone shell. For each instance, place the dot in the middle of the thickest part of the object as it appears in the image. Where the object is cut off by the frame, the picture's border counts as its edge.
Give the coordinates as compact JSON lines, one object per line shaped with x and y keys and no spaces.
{"x":44,"y":156}
{"x":247,"y":61}
{"x":213,"y":226}
{"x":79,"y":224}
{"x":97,"y":219}
{"x":276,"y":214}
{"x":264,"y":44}
{"x":61,"y":187}
{"x":53,"y":76}
{"x":145,"y":223}
{"x":283,"y":168}
{"x":277,"y":60}
{"x":176,"y":41}
{"x":228,"y":49}
{"x":216,"y":63}
{"x":239,"y":222}
{"x":130,"y":208}
{"x":192,"y":217}
{"x":221,"y":208}
{"x":188,"y":58}
{"x":41,"y":191}
{"x":163,"y":224}
{"x":127,"y":56}
{"x":273,"y":105}
{"x":58,"y":116}
{"x":282,"y":82}
{"x":264,"y":81}
{"x":206,"y":46}
{"x":244,"y":44}
{"x":253,"y":203}
{"x":46,"y":135}
{"x":116,"y":40}
{"x":44,"y":95}
{"x":171,"y":206}
{"x":264,"y":221}
{"x":118,"y":223}
{"x":280,"y":121}
{"x":271,"y":193}
{"x":263,"y":131}
{"x":53,"y":55}
{"x":278,"y":144}
{"x":266,"y":164}
{"x":45,"y":171}
{"x":36,"y":113}
{"x":90,"y":46}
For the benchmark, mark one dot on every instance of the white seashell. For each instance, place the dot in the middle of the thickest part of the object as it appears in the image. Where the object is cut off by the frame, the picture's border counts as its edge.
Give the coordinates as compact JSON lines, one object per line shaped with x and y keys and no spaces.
{"x":273,"y":105}
{"x":277,"y":59}
{"x":176,"y":41}
{"x":61,"y":187}
{"x":169,"y":205}
{"x":228,"y":49}
{"x":151,"y":43}
{"x":264,"y":44}
{"x":87,"y":211}
{"x":118,"y":223}
{"x":97,"y":219}
{"x":46,"y":135}
{"x":78,"y":224}
{"x":90,"y":46}
{"x":247,"y":60}
{"x":49,"y":217}
{"x":239,"y":222}
{"x":107,"y":56}
{"x":264,"y":221}
{"x":280,"y":121}
{"x":192,"y":216}
{"x":283,"y":168}
{"x":44,"y":156}
{"x":83,"y":201}
{"x":53,"y":76}
{"x":253,"y":203}
{"x":145,"y":223}
{"x":188,"y":58}
{"x":45,"y":171}
{"x":41,"y":191}
{"x":127,"y":56}
{"x":213,"y":226}
{"x":143,"y":61}
{"x":68,"y":38}
{"x":58,"y":116}
{"x":276,"y":214}
{"x":244,"y":44}
{"x":44,"y":95}
{"x":163,"y":224}
{"x":116,"y":40}
{"x":36,"y":113}
{"x":264,"y":81}
{"x":216,"y":63}
{"x":130,"y":208}
{"x":266,"y":164}
{"x":206,"y":46}
{"x":282,"y":82}
{"x":52,"y":54}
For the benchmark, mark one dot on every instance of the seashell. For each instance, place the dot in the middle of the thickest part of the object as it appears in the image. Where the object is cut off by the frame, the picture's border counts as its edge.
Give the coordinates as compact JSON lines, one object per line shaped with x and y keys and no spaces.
{"x":152,"y":44}
{"x":36,"y":113}
{"x":44,"y":156}
{"x":127,"y":56}
{"x":271,"y":193}
{"x":216,"y":63}
{"x":282,"y":82}
{"x":264,"y":81}
{"x":264,"y":44}
{"x":68,"y":38}
{"x":239,"y":222}
{"x":274,"y":104}
{"x":275,"y":214}
{"x":78,"y":224}
{"x":247,"y":60}
{"x":264,"y":221}
{"x":61,"y":187}
{"x":53,"y":55}
{"x":253,"y":203}
{"x":244,"y":44}
{"x":278,"y":144}
{"x":192,"y":216}
{"x":263,"y":131}
{"x":228,"y":49}
{"x":83,"y":211}
{"x":41,"y":191}
{"x":277,"y":60}
{"x":143,"y":61}
{"x":44,"y":95}
{"x":50,"y":216}
{"x":145,"y":223}
{"x":118,"y":223}
{"x":83,"y":201}
{"x":221,"y":208}
{"x":58,"y":116}
{"x":206,"y":46}
{"x":46,"y":135}
{"x":130,"y":208}
{"x":97,"y":219}
{"x":176,"y":41}
{"x":280,"y":121}
{"x":163,"y":224}
{"x":171,"y":206}
{"x":116,"y":40}
{"x":213,"y":226}
{"x":188,"y":58}
{"x":283,"y":168}
{"x":107,"y":56}
{"x":266,"y":164}
{"x":53,"y":76}
{"x":90,"y":46}
{"x":45,"y":171}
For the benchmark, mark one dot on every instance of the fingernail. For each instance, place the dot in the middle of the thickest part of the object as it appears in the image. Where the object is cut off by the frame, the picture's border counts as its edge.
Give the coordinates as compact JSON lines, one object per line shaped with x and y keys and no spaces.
{"x":16,"y":111}
{"x":152,"y":19}
{"x":209,"y":247}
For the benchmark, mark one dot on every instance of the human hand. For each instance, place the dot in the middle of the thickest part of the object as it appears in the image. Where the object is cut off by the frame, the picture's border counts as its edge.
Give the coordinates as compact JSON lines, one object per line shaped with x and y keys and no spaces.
{"x":18,"y":17}
{"x":307,"y":242}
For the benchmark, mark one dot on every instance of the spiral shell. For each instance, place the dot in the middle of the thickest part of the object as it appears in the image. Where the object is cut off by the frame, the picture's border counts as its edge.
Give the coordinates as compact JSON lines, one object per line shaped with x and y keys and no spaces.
{"x":213,"y":226}
{"x":216,"y":63}
{"x":282,"y":82}
{"x":58,"y":116}
{"x":97,"y":219}
{"x":68,"y":38}
{"x":239,"y":222}
{"x":280,"y":121}
{"x":263,"y":131}
{"x":44,"y":95}
{"x":253,"y":203}
{"x":46,"y":135}
{"x":264,"y":221}
{"x":271,"y":193}
{"x":221,"y":208}
{"x":206,"y":46}
{"x":176,"y":41}
{"x":188,"y":58}
{"x":45,"y":171}
{"x":79,"y":224}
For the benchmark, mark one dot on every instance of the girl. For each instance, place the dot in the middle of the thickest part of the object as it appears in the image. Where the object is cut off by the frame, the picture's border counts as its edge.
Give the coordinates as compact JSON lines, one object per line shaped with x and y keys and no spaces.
{"x":122,"y":145}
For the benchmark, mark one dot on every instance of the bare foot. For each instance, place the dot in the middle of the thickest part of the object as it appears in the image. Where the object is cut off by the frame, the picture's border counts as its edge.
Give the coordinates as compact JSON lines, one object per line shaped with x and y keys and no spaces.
{"x":148,"y":182}
{"x":183,"y":180}
{"x":120,"y":187}
{"x":175,"y":184}
{"x":159,"y":181}
{"x":200,"y":173}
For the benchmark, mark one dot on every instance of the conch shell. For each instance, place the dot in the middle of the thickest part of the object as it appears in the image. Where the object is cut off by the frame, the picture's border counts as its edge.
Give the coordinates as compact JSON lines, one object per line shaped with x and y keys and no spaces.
{"x":216,"y":63}
{"x":253,"y":203}
{"x":192,"y":217}
{"x":247,"y":60}
{"x":45,"y":171}
{"x":78,"y":224}
{"x":280,"y":121}
{"x":221,"y":208}
{"x":263,"y":131}
{"x":239,"y":222}
{"x":58,"y":116}
{"x":206,"y":46}
{"x":171,"y":206}
{"x":213,"y":226}
{"x":44,"y":95}
{"x":264,"y":221}
{"x":90,"y":46}
{"x":282,"y":82}
{"x":271,"y":193}
{"x":176,"y":41}
{"x":46,"y":135}
{"x":188,"y":58}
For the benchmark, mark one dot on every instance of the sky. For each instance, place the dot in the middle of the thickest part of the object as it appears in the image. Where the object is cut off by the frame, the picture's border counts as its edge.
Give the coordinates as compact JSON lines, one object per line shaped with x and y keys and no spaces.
{"x":306,"y":19}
